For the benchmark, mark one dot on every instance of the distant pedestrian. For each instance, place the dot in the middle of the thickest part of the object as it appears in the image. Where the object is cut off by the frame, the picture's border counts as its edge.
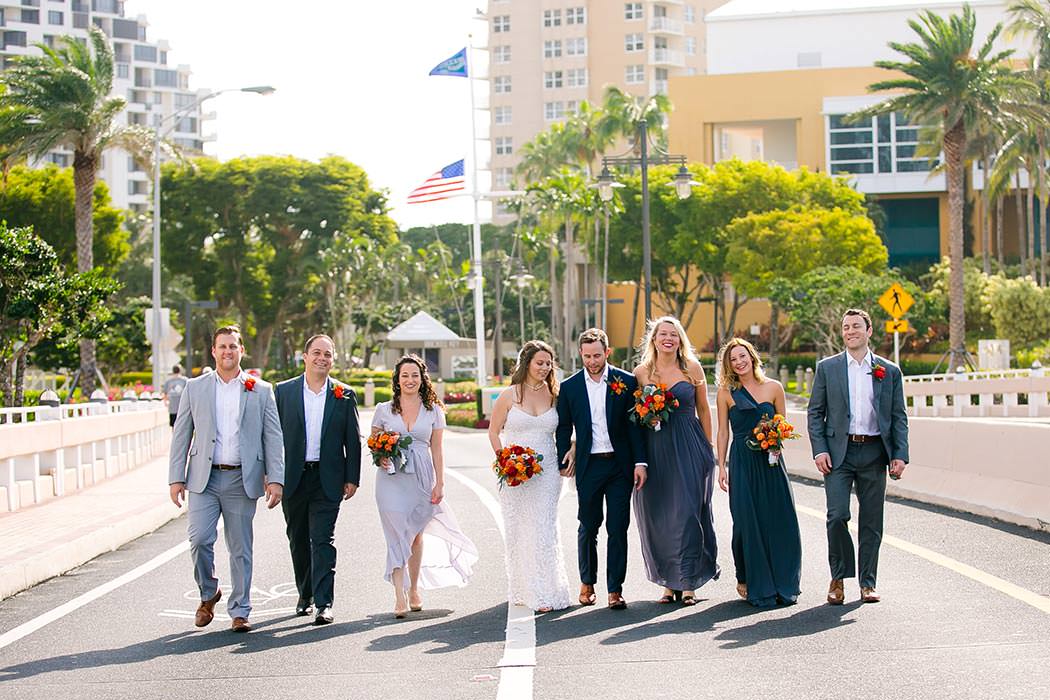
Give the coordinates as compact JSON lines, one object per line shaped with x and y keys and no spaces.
{"x":322,"y":455}
{"x":857,"y":427}
{"x":173,"y":389}
{"x":226,"y":451}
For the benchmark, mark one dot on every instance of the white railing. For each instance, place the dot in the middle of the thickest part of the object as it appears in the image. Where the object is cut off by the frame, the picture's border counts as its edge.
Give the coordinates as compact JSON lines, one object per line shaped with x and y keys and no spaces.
{"x":1018,"y":393}
{"x":54,"y":450}
{"x":666,"y":25}
{"x":666,"y":57}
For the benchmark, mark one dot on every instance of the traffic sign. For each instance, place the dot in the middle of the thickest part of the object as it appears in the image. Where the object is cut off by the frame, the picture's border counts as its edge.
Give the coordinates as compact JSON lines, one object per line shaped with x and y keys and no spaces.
{"x":896,"y":300}
{"x":897,"y":326}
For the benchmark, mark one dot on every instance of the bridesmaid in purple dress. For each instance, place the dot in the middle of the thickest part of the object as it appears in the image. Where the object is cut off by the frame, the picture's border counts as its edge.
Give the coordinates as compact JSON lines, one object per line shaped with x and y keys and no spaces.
{"x":673,"y":509}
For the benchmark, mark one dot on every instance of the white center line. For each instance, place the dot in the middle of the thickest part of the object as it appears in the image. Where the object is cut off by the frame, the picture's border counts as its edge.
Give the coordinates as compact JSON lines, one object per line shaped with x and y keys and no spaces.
{"x":519,"y":649}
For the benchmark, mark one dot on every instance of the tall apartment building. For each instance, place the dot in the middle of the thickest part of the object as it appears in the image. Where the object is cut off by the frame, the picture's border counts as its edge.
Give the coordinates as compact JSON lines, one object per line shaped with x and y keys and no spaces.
{"x":153,"y":89}
{"x":546,"y":56}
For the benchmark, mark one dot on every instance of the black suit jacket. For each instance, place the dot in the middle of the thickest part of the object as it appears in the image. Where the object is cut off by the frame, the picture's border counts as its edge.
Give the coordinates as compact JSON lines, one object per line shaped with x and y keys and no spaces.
{"x":574,"y":412}
{"x":340,"y":437}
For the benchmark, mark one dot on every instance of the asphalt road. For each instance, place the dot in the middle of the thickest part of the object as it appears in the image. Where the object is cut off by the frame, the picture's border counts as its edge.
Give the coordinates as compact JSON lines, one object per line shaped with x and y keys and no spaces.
{"x":965,"y":614}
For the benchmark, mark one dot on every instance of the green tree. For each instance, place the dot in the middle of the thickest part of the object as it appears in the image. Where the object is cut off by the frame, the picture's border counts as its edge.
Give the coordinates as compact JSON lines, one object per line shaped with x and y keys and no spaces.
{"x":1019,"y":310}
{"x":43,"y":198}
{"x":950,"y":84}
{"x":39,"y":299}
{"x":64,"y":98}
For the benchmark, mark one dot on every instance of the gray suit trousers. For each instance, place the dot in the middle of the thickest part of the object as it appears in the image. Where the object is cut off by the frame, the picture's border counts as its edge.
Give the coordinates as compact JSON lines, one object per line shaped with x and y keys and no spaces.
{"x":865,"y":466}
{"x":224,"y":495}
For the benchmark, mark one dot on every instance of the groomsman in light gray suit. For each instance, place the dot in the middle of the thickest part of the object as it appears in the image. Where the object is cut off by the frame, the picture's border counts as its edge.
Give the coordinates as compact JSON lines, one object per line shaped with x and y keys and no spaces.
{"x":226,"y":451}
{"x":858,"y":427}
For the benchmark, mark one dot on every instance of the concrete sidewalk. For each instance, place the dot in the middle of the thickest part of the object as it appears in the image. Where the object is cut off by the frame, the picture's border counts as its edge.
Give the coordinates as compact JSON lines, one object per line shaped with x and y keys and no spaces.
{"x":46,"y":540}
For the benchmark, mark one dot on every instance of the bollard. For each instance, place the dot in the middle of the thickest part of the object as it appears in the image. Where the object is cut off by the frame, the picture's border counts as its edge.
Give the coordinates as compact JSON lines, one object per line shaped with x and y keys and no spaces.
{"x":1036,"y":400}
{"x":370,"y":393}
{"x":98,"y":396}
{"x":130,"y":395}
{"x":960,"y":400}
{"x":439,"y":389}
{"x":50,"y":400}
{"x":800,"y":378}
{"x":784,"y":375}
{"x":809,"y":379}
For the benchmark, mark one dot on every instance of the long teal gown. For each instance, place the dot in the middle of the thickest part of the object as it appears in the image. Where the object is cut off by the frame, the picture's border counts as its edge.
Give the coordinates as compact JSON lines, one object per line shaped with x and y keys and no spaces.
{"x":767,"y":545}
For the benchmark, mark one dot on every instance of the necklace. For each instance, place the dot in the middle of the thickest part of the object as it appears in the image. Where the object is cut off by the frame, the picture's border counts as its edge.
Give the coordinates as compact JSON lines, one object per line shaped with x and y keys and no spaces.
{"x":534,"y":388}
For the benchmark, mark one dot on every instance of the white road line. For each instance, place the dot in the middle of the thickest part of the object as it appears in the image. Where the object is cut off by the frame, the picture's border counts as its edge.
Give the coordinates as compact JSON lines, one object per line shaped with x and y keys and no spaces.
{"x":519,"y":649}
{"x":983,"y":577}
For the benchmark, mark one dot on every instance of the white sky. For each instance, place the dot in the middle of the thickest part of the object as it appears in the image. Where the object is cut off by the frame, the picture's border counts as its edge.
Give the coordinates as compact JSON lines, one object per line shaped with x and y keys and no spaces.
{"x":351,"y":80}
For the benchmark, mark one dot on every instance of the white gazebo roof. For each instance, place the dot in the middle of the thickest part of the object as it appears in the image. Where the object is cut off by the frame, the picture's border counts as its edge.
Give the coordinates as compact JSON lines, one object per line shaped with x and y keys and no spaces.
{"x":421,"y":329}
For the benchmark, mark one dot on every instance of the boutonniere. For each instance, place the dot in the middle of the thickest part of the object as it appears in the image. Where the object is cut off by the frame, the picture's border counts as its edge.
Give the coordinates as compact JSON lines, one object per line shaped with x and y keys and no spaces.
{"x":249,"y":384}
{"x":339,"y":392}
{"x":616,"y":385}
{"x":878,"y":371}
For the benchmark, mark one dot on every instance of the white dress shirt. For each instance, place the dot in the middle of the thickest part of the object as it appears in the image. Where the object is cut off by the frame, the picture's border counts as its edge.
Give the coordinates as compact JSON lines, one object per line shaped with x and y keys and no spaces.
{"x":313,"y":407}
{"x":597,"y":391}
{"x":227,"y":420}
{"x":863,"y":420}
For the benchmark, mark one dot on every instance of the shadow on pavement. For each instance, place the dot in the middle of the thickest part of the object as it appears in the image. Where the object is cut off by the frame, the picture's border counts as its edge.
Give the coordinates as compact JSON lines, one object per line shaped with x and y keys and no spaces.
{"x":482,"y":627}
{"x":802,"y":624}
{"x":702,"y":620}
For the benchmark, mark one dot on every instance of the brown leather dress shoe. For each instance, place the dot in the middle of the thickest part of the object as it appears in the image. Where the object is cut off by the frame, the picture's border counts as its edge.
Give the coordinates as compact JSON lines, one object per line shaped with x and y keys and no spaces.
{"x":206,"y":610}
{"x":240,"y":624}
{"x":868,"y":595}
{"x":836,"y":594}
{"x":616,"y":602}
{"x":587,"y":596}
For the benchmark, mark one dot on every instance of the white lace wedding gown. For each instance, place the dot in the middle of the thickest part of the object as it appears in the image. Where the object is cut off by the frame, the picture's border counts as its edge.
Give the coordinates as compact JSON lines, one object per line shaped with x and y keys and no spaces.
{"x":535,"y":565}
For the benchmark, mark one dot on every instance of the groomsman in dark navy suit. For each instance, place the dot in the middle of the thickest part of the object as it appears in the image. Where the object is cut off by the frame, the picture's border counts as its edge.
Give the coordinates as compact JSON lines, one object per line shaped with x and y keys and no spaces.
{"x":322,"y":450}
{"x":608,"y":460}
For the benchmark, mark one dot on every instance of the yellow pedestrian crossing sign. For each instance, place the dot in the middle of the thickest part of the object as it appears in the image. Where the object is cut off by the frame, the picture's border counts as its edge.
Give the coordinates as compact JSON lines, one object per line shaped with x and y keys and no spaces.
{"x":897,"y":326}
{"x":896,"y":300}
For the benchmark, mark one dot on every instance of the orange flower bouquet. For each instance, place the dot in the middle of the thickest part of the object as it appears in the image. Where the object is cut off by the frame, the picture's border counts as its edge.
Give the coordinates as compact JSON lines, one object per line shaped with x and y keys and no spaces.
{"x":515,"y":465}
{"x":390,"y":445}
{"x":653,"y":404}
{"x":770,"y":434}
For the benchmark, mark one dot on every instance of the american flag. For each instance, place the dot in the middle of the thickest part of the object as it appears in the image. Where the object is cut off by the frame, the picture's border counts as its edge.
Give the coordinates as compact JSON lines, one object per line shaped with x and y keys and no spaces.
{"x":440,"y":184}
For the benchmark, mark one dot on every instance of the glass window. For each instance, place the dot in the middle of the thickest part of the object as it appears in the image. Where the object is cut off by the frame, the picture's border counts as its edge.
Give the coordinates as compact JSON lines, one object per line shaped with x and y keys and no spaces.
{"x":552,"y":49}
{"x":634,"y":42}
{"x":552,"y":79}
{"x":633,"y":10}
{"x":504,"y":145}
{"x":31,"y":16}
{"x":634,"y":75}
{"x":165,"y":78}
{"x":553,"y":110}
{"x":552,"y":18}
{"x":183,"y":99}
{"x":885,"y":159}
{"x":501,"y":54}
{"x":55,"y":17}
{"x":501,"y":84}
{"x":123,"y":70}
{"x":884,"y":128}
{"x":502,"y":115}
{"x":504,"y":177}
{"x":690,"y":13}
{"x":501,"y":24}
{"x":845,"y":138}
{"x":575,"y":15}
{"x":576,"y":77}
{"x":576,"y":46}
{"x":147,"y":53}
{"x":690,"y":45}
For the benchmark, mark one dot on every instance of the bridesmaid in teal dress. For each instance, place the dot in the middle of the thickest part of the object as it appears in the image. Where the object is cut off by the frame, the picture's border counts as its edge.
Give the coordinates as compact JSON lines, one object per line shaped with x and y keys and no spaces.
{"x":767,"y":546}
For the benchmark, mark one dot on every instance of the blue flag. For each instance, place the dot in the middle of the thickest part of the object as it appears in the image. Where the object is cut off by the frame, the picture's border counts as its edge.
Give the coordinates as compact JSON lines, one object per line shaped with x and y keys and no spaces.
{"x":455,"y":66}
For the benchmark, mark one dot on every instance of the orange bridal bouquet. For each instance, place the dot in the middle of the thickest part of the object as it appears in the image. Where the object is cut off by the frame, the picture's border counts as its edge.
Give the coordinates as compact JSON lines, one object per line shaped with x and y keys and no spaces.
{"x":770,"y":434}
{"x":653,"y":404}
{"x":515,"y":465}
{"x":388,"y":445}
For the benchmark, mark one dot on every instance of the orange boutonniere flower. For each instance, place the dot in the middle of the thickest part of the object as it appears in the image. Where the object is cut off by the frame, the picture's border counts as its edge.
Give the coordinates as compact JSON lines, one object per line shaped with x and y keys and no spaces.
{"x":339,"y":392}
{"x":878,"y":371}
{"x":249,"y":384}
{"x":617,"y":386}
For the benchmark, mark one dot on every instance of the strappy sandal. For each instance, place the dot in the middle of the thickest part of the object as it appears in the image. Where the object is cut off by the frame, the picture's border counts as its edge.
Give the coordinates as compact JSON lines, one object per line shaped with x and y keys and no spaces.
{"x":667,"y":599}
{"x":688,"y":599}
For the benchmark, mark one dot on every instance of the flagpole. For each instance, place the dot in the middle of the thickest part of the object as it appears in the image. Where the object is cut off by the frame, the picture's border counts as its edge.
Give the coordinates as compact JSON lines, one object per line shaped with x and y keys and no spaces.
{"x":475,"y":264}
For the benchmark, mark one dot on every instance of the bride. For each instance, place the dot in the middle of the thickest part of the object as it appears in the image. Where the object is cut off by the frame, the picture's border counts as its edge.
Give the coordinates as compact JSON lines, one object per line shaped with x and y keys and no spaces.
{"x":525,"y":414}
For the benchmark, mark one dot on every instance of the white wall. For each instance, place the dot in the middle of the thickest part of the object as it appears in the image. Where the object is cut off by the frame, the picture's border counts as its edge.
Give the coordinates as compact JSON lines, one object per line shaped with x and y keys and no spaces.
{"x":843,"y":39}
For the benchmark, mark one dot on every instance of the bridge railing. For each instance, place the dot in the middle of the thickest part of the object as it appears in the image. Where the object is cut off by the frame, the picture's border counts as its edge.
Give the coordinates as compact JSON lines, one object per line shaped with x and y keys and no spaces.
{"x":1019,"y":393}
{"x":48,"y":451}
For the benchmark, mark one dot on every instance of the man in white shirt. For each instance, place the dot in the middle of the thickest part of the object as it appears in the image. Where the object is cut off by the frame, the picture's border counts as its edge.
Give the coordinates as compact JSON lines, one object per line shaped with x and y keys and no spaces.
{"x":226,"y":451}
{"x":858,"y":427}
{"x":322,"y":455}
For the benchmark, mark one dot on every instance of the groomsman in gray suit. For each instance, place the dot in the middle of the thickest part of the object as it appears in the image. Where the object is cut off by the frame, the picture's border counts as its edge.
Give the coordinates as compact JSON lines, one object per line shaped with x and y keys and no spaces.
{"x":857,"y":427}
{"x":226,"y":451}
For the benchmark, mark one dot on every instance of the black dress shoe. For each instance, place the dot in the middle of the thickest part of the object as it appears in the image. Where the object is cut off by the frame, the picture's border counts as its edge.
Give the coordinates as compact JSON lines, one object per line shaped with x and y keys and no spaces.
{"x":304,"y":608}
{"x":324,"y":615}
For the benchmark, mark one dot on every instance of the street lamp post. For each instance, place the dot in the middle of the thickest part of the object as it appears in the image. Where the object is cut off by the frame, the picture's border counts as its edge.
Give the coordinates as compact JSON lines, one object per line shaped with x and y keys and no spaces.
{"x":683,"y":184}
{"x":521,"y":278}
{"x":158,"y":371}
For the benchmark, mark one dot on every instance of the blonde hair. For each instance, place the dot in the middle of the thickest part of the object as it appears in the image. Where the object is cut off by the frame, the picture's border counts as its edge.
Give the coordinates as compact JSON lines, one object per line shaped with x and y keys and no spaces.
{"x":683,"y":355}
{"x":727,"y":376}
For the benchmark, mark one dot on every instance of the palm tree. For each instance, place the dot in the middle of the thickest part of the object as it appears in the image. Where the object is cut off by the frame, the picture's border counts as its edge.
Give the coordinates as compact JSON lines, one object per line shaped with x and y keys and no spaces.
{"x":63,"y":98}
{"x":949,"y":85}
{"x":622,"y":111}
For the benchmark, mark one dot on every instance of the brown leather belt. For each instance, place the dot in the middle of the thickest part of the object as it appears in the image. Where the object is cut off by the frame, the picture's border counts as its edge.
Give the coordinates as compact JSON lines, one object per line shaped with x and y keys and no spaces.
{"x":865,"y":438}
{"x":226,"y":467}
{"x":603,"y":455}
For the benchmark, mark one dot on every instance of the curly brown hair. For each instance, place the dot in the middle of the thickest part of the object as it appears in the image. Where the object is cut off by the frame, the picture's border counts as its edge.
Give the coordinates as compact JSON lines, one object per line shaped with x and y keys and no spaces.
{"x":426,"y":389}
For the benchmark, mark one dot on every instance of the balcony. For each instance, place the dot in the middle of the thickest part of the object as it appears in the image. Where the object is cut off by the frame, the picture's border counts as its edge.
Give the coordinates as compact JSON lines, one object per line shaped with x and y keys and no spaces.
{"x":81,"y":6}
{"x":666,"y":25}
{"x":112,"y":7}
{"x":667,"y":57}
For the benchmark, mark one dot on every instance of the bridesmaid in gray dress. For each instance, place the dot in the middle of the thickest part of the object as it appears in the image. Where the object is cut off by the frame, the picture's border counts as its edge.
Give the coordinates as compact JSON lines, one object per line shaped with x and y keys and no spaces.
{"x":411,"y":500}
{"x":673,"y":509}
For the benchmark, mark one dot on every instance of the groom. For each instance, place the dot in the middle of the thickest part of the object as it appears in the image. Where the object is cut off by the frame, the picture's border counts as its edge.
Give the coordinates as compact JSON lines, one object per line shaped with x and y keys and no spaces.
{"x":857,"y":426}
{"x":608,"y":462}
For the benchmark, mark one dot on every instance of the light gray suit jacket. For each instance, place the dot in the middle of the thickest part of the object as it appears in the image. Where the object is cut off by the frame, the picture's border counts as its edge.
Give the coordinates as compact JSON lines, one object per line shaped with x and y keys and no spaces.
{"x":193,"y":437}
{"x":829,"y":412}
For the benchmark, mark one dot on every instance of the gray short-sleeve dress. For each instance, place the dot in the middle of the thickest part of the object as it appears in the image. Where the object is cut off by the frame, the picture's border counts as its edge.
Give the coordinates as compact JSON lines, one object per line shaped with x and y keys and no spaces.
{"x":405,"y":509}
